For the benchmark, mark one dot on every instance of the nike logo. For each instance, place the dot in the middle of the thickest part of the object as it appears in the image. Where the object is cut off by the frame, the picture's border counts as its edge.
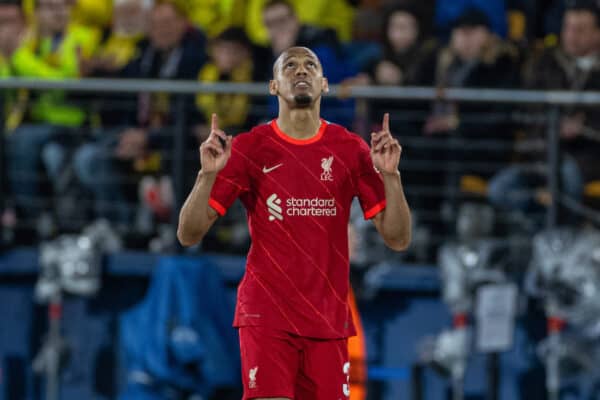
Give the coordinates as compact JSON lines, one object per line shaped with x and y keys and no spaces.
{"x":267,"y":170}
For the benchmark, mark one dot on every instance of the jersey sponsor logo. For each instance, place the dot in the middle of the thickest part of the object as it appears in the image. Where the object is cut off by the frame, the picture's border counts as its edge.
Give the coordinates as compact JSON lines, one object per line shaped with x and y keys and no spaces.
{"x":274,"y":208}
{"x":273,"y":168}
{"x":252,"y":377}
{"x":326,"y":175}
{"x":315,"y":207}
{"x":300,"y":207}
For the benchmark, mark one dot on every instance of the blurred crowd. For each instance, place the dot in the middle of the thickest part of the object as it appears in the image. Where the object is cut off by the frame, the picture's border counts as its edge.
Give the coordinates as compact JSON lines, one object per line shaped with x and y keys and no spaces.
{"x":114,"y":150}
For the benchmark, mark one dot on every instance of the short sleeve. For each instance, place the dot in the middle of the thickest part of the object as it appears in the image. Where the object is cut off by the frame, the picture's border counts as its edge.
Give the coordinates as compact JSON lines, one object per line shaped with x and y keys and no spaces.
{"x":232,"y":180}
{"x":369,"y":185}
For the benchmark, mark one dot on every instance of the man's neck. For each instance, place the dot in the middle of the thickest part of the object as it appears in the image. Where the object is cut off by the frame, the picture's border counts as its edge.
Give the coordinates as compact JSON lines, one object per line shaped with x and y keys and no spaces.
{"x":301,"y":123}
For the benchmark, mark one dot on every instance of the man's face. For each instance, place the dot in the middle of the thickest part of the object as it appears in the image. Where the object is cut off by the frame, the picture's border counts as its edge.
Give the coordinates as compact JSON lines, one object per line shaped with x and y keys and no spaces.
{"x":402,"y":31}
{"x":167,"y":27}
{"x":580,"y":35}
{"x":282,"y":27}
{"x":53,"y":15}
{"x":229,"y":55}
{"x":468,"y":42}
{"x":9,"y":15}
{"x":298,"y":78}
{"x":129,"y":18}
{"x":11,"y":20}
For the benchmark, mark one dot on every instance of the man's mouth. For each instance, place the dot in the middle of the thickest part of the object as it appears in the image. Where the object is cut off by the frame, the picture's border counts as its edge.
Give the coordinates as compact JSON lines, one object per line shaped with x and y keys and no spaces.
{"x":302,"y":84}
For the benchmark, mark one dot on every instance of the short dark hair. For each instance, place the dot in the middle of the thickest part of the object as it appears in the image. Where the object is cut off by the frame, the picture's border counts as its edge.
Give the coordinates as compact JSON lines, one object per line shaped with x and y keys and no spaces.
{"x":274,"y":3}
{"x":279,"y":59}
{"x":584,"y":6}
{"x":235,"y":35}
{"x":471,"y":18}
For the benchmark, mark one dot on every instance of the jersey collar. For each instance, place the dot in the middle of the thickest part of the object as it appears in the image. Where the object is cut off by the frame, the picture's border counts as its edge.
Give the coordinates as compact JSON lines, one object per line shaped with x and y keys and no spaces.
{"x":300,"y":142}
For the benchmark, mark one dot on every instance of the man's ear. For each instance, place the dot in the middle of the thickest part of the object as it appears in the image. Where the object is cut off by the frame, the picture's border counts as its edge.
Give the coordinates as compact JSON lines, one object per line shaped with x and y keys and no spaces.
{"x":273,"y":87}
{"x":325,"y":86}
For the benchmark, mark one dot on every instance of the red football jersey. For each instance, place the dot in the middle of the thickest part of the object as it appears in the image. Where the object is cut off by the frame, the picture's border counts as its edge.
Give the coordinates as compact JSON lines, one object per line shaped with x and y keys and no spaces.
{"x":297,"y":194}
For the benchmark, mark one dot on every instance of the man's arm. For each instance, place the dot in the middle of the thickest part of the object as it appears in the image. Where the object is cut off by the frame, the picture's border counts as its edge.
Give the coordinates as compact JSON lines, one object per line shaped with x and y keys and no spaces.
{"x":196,"y":216}
{"x":394,"y":222}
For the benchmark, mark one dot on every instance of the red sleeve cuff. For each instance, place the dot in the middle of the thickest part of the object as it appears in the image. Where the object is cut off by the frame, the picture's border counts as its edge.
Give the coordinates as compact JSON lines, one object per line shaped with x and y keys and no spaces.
{"x":218,"y":207}
{"x":373,"y":211}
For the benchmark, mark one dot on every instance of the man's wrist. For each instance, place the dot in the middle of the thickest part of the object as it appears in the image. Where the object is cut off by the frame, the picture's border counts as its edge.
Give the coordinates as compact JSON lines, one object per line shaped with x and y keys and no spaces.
{"x":211,"y":175}
{"x":392,"y":174}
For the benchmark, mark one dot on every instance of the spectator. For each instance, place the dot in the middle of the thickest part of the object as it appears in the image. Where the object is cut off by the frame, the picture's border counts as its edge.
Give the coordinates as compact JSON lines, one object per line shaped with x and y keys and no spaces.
{"x":230,"y":61}
{"x":285,"y":30}
{"x":53,"y":51}
{"x":120,"y":46}
{"x":574,"y":65}
{"x":128,"y":28}
{"x":336,"y":15}
{"x":173,"y":50}
{"x":91,"y":13}
{"x":468,"y":150}
{"x":475,"y":58}
{"x":407,"y":55}
{"x":404,"y":50}
{"x":12,"y":29}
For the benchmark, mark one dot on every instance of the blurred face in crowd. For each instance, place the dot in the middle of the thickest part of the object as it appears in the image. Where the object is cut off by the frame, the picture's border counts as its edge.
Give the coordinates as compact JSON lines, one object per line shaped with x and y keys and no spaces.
{"x":129,"y":17}
{"x":53,"y":15}
{"x":10,"y":15}
{"x":167,"y":27}
{"x":11,"y":27}
{"x":282,"y":26}
{"x":228,"y":55}
{"x":298,"y":78}
{"x":580,"y":34}
{"x":468,"y":41}
{"x":402,"y":31}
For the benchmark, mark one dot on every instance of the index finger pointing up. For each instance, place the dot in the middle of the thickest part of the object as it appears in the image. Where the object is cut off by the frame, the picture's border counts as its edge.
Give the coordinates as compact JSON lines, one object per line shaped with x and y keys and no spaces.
{"x":386,"y":122}
{"x":214,"y":123}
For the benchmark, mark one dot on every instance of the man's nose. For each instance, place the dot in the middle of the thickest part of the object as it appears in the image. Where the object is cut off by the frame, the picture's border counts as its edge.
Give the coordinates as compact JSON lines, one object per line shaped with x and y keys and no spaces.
{"x":301,"y":70}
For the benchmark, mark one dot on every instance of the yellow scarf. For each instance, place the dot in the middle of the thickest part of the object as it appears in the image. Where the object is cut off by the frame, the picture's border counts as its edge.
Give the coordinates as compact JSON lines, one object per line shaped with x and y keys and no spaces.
{"x":232,"y":109}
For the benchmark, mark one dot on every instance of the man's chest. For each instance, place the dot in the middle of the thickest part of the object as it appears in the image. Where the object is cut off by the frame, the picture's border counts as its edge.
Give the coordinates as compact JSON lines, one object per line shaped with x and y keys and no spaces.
{"x":317,"y":171}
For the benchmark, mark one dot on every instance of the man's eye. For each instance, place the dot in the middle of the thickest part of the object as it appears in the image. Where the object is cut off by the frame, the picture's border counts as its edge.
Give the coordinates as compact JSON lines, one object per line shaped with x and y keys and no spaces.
{"x":311,"y":64}
{"x":289,"y":65}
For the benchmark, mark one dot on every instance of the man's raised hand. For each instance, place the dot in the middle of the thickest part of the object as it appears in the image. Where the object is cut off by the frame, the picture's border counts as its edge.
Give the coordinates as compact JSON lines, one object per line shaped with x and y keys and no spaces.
{"x":385,"y":149}
{"x":216,"y":150}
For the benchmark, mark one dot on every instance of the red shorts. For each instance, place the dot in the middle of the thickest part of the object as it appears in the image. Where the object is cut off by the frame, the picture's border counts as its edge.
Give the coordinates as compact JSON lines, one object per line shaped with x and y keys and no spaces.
{"x":279,"y":364}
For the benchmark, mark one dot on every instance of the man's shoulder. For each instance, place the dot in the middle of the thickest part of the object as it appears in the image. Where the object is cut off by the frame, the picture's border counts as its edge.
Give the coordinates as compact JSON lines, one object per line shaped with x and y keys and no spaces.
{"x":550,"y":56}
{"x":255,"y":134}
{"x":344,"y":134}
{"x":260,"y":130}
{"x":194,"y":36}
{"x":549,"y":69}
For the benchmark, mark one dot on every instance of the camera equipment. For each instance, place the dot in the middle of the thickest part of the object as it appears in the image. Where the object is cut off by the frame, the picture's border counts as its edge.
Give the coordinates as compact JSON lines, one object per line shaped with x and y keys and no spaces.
{"x":70,"y":264}
{"x":565,"y":274}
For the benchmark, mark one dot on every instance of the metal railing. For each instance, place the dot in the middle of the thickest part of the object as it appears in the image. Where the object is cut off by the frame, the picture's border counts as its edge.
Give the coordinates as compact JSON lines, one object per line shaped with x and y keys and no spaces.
{"x":554,"y":97}
{"x":553,"y":100}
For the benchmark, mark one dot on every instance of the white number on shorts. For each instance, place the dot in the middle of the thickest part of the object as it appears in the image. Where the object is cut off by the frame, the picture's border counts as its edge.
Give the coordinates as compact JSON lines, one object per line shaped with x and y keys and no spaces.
{"x":346,"y":386}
